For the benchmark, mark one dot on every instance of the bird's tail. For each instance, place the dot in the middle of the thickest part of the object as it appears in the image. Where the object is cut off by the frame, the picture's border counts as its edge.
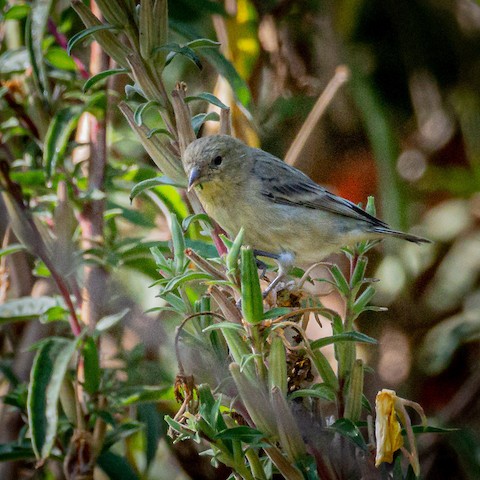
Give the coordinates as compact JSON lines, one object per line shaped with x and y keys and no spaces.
{"x":404,"y":236}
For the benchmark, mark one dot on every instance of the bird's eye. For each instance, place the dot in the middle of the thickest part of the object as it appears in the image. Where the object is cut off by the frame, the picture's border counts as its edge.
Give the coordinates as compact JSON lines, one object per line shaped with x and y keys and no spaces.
{"x":217,"y":160}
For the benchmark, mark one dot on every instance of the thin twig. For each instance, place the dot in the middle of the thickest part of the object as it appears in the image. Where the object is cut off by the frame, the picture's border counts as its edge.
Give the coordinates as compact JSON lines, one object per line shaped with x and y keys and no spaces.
{"x":341,"y":76}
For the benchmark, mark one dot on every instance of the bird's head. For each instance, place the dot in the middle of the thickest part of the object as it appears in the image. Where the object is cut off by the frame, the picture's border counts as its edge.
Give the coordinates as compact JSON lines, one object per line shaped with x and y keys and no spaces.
{"x":216,"y":158}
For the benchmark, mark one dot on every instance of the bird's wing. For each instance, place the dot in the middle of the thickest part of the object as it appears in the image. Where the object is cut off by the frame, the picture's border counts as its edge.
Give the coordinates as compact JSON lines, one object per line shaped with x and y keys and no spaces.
{"x":283,"y":184}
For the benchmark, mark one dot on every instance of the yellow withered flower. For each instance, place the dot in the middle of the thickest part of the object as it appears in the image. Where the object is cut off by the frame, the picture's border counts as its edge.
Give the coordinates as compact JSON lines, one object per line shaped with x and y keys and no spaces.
{"x":387,"y":427}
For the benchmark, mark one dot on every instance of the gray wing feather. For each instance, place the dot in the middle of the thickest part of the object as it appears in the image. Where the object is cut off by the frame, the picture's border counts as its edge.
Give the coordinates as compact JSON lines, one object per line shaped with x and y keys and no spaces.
{"x":283,"y":184}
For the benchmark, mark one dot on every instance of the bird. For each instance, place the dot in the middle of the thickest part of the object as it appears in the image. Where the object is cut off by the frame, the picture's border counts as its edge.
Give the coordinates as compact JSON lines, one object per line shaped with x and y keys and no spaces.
{"x":284,"y":213}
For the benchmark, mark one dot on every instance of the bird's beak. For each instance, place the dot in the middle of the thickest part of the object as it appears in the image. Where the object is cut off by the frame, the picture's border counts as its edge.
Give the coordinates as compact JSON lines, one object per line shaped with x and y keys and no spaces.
{"x":194,"y":177}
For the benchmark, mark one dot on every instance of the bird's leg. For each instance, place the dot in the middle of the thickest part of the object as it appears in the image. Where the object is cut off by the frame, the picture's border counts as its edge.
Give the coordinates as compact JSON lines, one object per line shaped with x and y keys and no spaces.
{"x":284,"y":261}
{"x":262,"y":266}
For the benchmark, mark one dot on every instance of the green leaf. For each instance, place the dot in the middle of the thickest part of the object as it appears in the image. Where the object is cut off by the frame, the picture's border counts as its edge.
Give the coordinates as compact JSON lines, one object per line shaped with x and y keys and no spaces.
{"x":102,"y":76}
{"x":429,"y":429}
{"x":201,"y":118}
{"x":210,"y":408}
{"x":58,"y":134}
{"x":196,"y":217}
{"x":203,"y":43}
{"x":180,"y":261}
{"x":234,"y":252}
{"x":206,"y":250}
{"x":60,"y":59}
{"x":359,"y":272}
{"x":91,"y":366}
{"x":124,"y":430}
{"x":54,"y":314}
{"x":25,"y":308}
{"x":160,"y":260}
{"x":362,"y":301}
{"x":175,"y":49}
{"x":116,"y":466}
{"x":180,"y":280}
{"x":348,"y":429}
{"x":46,"y":376}
{"x":141,"y":109}
{"x":276,"y":312}
{"x":340,"y":280}
{"x":143,"y":394}
{"x":110,"y":320}
{"x":151,"y":183}
{"x":11,"y":249}
{"x":17,"y":12}
{"x":16,"y":451}
{"x":163,"y":131}
{"x":207,"y":97}
{"x":319,"y":391}
{"x":155,"y":428}
{"x":244,"y":434}
{"x":219,"y":62}
{"x":29,"y":178}
{"x":14,"y":61}
{"x":78,"y":37}
{"x":38,"y":23}
{"x":224,"y":326}
{"x":342,"y":337}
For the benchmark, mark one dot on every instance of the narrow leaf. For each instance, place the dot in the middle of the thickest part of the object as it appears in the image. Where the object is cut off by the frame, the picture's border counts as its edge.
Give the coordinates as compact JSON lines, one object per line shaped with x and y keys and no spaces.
{"x":179,"y":258}
{"x":342,"y":337}
{"x":196,"y":217}
{"x":178,"y":281}
{"x":152,"y":183}
{"x":16,"y":451}
{"x":48,"y":371}
{"x":340,"y":280}
{"x":203,"y":43}
{"x":116,"y":466}
{"x":78,"y":37}
{"x":38,"y":22}
{"x":219,"y":62}
{"x":243,"y":433}
{"x":141,"y":109}
{"x":11,"y":249}
{"x":201,"y":118}
{"x":91,"y":366}
{"x":102,"y":76}
{"x":155,"y":131}
{"x":207,"y":97}
{"x":348,"y":429}
{"x":234,"y":252}
{"x":58,"y":134}
{"x":25,"y":308}
{"x":321,"y":391}
{"x":110,"y":320}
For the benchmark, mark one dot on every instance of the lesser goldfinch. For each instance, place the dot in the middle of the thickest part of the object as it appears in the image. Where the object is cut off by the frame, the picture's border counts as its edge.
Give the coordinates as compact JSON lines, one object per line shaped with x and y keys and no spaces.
{"x":285,"y":214}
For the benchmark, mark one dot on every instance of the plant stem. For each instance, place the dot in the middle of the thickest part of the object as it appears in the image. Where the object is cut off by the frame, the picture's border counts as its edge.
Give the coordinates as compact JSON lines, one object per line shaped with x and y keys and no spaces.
{"x":93,"y":210}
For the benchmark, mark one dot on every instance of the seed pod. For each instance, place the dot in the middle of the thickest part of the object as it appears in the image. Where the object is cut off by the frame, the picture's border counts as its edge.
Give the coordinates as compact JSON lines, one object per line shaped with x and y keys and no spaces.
{"x":277,"y":366}
{"x":252,"y":300}
{"x":234,"y":252}
{"x":353,"y":407}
